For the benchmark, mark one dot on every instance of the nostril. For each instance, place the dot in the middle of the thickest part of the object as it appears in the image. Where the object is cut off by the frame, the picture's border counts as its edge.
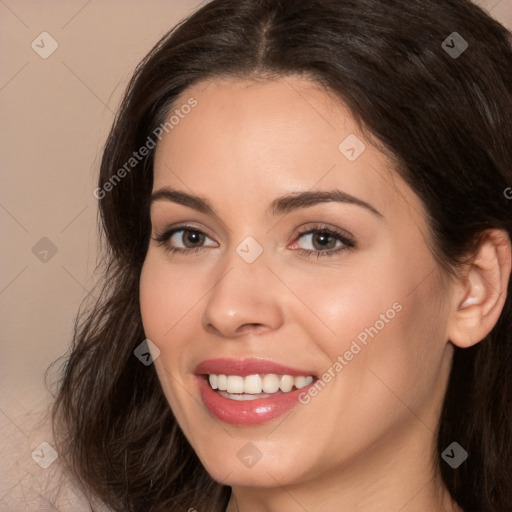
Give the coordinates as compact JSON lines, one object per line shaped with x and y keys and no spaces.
{"x":252,"y":327}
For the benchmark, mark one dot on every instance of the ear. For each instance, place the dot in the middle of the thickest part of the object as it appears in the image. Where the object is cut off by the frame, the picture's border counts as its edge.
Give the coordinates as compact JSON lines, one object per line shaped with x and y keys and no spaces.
{"x":481,"y":290}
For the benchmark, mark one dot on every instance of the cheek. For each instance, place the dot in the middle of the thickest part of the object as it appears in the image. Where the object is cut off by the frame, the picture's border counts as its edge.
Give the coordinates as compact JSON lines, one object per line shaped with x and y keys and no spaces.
{"x":384,"y":318}
{"x":166,"y":299}
{"x":155,"y":297}
{"x":166,"y":303}
{"x":351,"y":303}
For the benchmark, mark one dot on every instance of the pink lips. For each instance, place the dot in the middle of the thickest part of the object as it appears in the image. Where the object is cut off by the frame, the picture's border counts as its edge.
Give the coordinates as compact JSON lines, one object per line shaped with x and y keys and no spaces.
{"x":249,"y":412}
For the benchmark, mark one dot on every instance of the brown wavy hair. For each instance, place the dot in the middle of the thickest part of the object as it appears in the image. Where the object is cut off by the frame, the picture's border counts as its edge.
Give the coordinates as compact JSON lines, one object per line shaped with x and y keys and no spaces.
{"x":448,"y":124}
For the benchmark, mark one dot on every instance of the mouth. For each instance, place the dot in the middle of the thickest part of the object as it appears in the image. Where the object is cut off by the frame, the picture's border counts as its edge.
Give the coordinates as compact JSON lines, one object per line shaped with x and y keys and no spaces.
{"x":252,"y":387}
{"x":250,"y":392}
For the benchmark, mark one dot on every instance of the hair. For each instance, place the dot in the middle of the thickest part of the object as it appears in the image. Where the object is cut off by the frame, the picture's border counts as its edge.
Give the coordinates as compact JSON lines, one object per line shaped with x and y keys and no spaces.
{"x":447,"y":122}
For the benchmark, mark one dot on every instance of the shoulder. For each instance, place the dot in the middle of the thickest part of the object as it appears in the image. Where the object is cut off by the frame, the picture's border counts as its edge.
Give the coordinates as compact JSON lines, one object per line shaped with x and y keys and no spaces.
{"x":33,"y":476}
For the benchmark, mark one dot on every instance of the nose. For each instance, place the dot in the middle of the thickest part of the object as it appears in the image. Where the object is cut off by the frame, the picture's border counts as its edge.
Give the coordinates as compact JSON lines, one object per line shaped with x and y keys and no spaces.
{"x":243,"y":300}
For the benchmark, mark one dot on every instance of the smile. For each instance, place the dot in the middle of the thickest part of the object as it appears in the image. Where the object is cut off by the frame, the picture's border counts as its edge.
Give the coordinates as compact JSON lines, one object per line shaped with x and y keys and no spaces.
{"x":236,"y":387}
{"x":250,"y":392}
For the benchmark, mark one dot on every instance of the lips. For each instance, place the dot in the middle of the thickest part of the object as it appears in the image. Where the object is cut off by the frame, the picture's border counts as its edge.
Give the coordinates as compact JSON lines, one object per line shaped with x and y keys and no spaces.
{"x":254,"y":407}
{"x":246,"y":367}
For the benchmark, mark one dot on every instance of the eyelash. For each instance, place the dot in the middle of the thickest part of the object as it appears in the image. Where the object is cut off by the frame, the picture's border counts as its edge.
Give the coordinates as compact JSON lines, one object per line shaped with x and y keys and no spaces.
{"x":342,"y":236}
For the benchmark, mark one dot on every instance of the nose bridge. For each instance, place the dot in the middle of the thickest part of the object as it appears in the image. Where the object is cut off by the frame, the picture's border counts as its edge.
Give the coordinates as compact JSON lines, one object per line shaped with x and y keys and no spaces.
{"x":244,"y":294}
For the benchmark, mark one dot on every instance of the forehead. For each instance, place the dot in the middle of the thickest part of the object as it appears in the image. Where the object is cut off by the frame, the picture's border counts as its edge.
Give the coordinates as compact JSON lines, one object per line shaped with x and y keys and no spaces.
{"x":264,"y":138}
{"x":244,"y":118}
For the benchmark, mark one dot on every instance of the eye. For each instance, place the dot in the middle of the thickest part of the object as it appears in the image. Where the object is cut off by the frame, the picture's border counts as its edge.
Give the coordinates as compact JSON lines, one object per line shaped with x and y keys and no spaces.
{"x":315,"y":241}
{"x":188,"y":238}
{"x":184,"y":239}
{"x":322,"y":241}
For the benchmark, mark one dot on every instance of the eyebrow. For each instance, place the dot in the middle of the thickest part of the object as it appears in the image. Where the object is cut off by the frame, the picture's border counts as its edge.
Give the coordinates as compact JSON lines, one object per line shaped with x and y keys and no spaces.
{"x":281,"y":205}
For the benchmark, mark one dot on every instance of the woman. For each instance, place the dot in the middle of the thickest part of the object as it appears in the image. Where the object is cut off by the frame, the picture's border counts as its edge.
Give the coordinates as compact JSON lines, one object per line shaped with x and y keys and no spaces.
{"x":308,"y":256}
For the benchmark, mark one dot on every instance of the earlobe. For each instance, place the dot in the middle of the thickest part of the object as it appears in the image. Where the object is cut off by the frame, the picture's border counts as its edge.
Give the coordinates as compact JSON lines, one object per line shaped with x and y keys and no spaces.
{"x":481,"y":290}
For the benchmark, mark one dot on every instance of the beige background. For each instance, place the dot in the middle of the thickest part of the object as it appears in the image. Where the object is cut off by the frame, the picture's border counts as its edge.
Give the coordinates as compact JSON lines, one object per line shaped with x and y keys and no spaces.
{"x":55,"y":114}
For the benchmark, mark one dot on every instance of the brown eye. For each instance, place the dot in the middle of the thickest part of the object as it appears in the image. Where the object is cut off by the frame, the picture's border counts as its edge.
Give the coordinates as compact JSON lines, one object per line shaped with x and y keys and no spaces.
{"x":191,"y":239}
{"x":323,"y":240}
{"x":319,"y":241}
{"x":184,"y":239}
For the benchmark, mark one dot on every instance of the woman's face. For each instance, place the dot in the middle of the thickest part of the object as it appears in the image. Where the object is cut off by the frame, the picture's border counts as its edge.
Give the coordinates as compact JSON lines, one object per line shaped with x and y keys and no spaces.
{"x":300,"y":253}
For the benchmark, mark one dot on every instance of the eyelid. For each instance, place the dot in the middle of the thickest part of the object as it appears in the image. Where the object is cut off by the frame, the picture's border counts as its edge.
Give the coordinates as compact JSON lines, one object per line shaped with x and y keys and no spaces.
{"x":324,"y":228}
{"x":187,"y":226}
{"x":348,"y":241}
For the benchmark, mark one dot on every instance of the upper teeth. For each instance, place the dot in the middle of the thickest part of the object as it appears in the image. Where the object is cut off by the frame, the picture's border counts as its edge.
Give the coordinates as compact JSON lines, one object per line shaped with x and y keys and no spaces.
{"x":254,"y":384}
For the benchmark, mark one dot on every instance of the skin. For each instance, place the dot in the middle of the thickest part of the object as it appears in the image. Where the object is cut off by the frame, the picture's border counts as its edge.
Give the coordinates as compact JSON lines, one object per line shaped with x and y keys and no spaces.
{"x":366,"y":441}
